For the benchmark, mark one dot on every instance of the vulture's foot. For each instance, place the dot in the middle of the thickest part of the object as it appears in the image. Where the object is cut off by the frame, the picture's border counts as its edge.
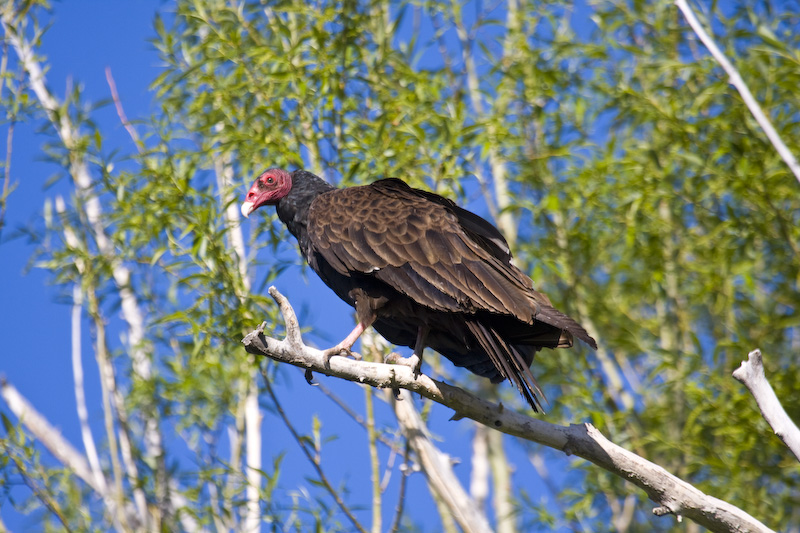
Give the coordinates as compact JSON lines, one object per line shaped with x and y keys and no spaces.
{"x":340,"y":350}
{"x":414,"y":362}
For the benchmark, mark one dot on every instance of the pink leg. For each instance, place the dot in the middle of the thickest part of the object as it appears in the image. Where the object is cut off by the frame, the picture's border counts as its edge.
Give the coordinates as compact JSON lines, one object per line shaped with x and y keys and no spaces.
{"x":347,"y":343}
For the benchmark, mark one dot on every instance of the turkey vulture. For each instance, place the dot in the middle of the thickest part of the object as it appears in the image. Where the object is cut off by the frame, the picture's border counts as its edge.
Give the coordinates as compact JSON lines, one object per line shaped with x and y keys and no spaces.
{"x":420,"y":270}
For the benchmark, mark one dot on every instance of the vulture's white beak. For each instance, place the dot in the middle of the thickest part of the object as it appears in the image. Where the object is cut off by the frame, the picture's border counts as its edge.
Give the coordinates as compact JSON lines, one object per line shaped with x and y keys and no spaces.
{"x":247,"y":208}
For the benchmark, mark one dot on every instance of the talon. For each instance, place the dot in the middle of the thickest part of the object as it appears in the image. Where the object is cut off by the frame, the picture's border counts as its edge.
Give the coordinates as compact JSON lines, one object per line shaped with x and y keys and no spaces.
{"x":392,"y":358}
{"x":330,"y":352}
{"x":416,"y":365}
{"x":342,"y":351}
{"x":396,"y":392}
{"x":310,"y":378}
{"x":414,"y":362}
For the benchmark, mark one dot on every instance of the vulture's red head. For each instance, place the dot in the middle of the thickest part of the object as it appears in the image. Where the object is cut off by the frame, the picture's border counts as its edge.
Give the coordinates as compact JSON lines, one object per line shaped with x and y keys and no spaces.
{"x":268,"y":188}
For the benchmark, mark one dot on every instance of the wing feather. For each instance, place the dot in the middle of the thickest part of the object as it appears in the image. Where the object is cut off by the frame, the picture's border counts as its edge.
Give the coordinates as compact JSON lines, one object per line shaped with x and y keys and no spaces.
{"x":425,"y":247}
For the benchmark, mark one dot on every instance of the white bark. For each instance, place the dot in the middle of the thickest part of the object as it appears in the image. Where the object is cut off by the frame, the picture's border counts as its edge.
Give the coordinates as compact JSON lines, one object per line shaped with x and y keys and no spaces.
{"x":751,"y":373}
{"x":671,"y":494}
{"x":253,"y":434}
{"x":252,"y":414}
{"x":438,"y":468}
{"x":479,"y":480}
{"x":80,"y":397}
{"x":737,"y":81}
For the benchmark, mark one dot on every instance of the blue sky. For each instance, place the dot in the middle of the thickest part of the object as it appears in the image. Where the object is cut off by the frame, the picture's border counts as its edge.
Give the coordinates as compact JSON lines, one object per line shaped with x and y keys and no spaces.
{"x":34,"y":316}
{"x":85,"y":38}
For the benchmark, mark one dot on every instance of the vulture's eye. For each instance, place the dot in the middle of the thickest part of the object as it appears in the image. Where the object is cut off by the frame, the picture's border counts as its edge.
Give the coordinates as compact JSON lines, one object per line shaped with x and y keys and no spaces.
{"x":270,"y":179}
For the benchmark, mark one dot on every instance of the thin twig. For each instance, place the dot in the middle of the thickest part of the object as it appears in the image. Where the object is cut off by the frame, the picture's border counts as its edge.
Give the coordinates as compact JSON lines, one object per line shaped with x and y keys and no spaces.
{"x":309,"y":455}
{"x":6,"y":174}
{"x":401,"y":498}
{"x":121,"y":111}
{"x":39,"y":492}
{"x":537,"y":460}
{"x":737,"y":81}
{"x":355,"y":416}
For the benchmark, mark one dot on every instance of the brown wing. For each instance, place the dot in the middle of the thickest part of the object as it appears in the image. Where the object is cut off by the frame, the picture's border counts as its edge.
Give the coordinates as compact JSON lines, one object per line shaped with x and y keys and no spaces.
{"x":422,"y":249}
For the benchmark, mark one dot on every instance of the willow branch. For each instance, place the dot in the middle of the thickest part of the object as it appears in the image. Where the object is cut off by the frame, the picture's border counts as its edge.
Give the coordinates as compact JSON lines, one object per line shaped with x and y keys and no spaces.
{"x":109,"y":392}
{"x":501,"y":481}
{"x":42,"y":492}
{"x":112,"y":86}
{"x":736,"y":80}
{"x":80,"y":395}
{"x":671,"y":494}
{"x":751,"y":373}
{"x":107,"y":379}
{"x":438,"y":468}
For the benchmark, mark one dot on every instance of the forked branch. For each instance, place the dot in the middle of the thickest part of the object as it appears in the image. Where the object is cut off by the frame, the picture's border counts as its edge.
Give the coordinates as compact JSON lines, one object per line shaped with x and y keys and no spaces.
{"x":671,"y":494}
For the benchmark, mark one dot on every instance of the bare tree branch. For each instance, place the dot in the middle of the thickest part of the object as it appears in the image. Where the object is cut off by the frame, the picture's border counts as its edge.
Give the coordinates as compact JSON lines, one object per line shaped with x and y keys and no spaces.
{"x":671,"y":494}
{"x":479,"y":480}
{"x":438,"y":468}
{"x":80,"y":396}
{"x":737,"y":81}
{"x":751,"y":373}
{"x":112,"y":85}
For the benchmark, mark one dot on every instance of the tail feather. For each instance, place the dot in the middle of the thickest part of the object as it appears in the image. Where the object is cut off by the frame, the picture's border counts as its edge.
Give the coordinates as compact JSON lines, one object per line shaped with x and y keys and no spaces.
{"x":509,"y":362}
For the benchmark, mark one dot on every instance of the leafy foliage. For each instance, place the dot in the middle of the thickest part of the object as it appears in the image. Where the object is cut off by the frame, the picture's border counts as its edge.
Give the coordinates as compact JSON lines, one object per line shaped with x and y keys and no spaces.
{"x":630,"y":178}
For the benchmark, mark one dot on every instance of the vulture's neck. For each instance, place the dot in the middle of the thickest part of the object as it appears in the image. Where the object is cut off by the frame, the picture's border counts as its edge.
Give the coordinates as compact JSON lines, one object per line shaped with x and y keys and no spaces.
{"x":293,"y":208}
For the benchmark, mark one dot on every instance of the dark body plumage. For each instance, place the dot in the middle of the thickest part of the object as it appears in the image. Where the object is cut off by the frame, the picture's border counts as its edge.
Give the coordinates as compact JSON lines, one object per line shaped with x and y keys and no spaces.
{"x":413,"y":263}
